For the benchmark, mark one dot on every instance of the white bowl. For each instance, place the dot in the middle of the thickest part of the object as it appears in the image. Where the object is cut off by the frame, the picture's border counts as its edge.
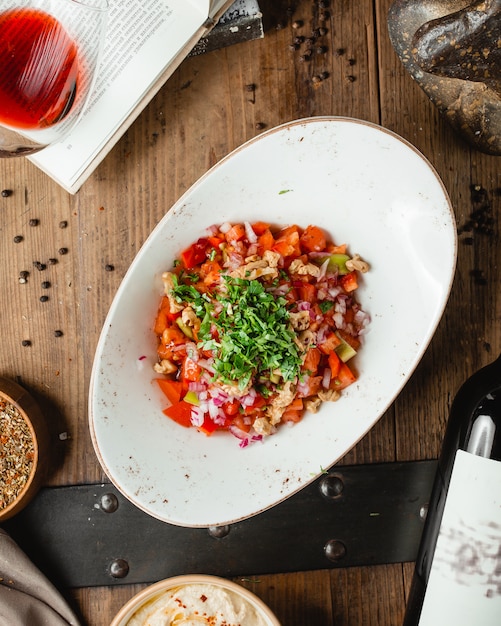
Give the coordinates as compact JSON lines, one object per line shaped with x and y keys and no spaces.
{"x":211,"y":585}
{"x":366,"y":187}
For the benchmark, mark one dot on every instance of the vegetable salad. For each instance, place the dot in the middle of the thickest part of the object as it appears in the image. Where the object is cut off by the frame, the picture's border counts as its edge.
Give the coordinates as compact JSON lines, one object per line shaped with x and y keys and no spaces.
{"x":257,"y":326}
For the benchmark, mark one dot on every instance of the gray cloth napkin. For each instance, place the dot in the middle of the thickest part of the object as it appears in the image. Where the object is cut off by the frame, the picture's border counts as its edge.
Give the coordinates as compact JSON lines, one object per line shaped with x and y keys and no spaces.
{"x":27,"y":598}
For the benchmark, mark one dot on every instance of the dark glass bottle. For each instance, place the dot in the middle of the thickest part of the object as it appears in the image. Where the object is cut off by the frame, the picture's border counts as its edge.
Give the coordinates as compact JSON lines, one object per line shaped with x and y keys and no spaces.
{"x":457,"y":577}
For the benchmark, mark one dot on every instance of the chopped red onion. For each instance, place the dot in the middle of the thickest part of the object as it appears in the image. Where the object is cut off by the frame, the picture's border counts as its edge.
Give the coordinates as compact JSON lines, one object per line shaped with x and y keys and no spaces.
{"x":213,"y":410}
{"x":326,"y":380}
{"x":206,"y":364}
{"x":252,"y":249}
{"x":249,"y":233}
{"x":323,"y":270}
{"x":213,"y":230}
{"x":196,"y":386}
{"x":238,"y":432}
{"x":224,"y":228}
{"x":197,"y":416}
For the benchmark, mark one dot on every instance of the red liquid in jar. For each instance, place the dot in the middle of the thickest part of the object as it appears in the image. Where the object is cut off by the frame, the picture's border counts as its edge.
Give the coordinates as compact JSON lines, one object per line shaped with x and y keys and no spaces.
{"x":38,"y":69}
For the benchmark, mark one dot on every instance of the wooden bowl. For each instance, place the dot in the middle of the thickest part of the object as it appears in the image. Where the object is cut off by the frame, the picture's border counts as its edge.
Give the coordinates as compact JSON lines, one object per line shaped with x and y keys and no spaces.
{"x":23,"y":406}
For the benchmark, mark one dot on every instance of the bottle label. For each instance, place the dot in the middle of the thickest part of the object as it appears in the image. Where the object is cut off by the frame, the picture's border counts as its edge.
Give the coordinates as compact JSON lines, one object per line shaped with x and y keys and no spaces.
{"x":464,"y":586}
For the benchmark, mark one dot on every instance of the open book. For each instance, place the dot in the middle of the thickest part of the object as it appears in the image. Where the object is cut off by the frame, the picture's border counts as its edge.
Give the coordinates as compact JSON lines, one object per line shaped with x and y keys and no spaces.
{"x":145,"y":43}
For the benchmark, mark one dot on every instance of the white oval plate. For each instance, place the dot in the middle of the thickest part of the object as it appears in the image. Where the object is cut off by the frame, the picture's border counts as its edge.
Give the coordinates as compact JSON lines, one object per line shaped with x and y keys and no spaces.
{"x":366,"y":187}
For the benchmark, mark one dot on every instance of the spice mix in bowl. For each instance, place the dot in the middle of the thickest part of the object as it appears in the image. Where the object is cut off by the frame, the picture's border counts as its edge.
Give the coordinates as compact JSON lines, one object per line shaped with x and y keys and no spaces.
{"x":24,"y":442}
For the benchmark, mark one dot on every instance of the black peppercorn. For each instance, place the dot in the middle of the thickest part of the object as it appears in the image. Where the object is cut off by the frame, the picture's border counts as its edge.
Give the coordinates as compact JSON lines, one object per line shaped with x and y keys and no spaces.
{"x":63,"y":250}
{"x":45,"y":284}
{"x":6,"y":193}
{"x":34,"y":222}
{"x":18,"y":238}
{"x":63,"y":224}
{"x":58,"y":333}
{"x":109,"y":268}
{"x":23,"y":277}
{"x":52,"y":261}
{"x":26,"y":343}
{"x":43,"y":298}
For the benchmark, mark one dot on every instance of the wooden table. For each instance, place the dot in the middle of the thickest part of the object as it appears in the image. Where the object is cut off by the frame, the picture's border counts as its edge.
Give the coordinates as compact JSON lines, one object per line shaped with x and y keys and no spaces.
{"x":205,"y":111}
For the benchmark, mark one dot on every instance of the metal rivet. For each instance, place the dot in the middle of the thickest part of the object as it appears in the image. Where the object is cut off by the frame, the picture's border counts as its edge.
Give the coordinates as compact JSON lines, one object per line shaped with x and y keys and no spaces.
{"x":218,"y":532}
{"x":423,"y":512}
{"x":331,"y":486}
{"x":119,"y":568}
{"x":335,"y":550}
{"x":109,"y":502}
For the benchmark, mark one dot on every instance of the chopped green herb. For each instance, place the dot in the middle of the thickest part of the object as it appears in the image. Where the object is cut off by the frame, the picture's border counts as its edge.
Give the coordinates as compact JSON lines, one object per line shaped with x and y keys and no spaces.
{"x":247,"y":329}
{"x":325,"y":305}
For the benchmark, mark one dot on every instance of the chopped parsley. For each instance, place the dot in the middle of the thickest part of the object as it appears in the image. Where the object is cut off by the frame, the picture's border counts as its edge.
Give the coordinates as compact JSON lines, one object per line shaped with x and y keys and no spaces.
{"x":247,"y":329}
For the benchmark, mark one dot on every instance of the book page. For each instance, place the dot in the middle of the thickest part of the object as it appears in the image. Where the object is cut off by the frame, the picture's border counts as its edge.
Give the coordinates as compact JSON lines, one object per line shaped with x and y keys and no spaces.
{"x":143,"y":38}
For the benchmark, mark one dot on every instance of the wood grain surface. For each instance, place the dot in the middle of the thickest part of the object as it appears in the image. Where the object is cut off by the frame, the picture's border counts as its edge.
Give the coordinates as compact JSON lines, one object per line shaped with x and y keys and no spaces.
{"x":204,"y":111}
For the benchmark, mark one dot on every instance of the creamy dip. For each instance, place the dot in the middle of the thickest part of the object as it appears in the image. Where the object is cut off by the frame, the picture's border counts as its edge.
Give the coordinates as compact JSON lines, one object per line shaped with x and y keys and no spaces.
{"x":195,"y":605}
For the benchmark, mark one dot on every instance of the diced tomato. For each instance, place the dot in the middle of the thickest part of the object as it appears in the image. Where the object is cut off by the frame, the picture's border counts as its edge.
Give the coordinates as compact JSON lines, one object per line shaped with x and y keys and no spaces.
{"x":287,"y":242}
{"x":190,"y":370}
{"x":344,"y":378}
{"x":312,"y":360}
{"x":260,"y":227}
{"x":208,"y":427}
{"x":195,"y":254}
{"x":311,"y":387}
{"x":331,"y":342}
{"x":165,"y":352}
{"x":296,"y":405}
{"x":236,"y":233}
{"x":180,"y":413}
{"x":349,"y":281}
{"x":215,"y":242}
{"x":210,"y":271}
{"x":307,"y":292}
{"x":313,"y":239}
{"x":334,"y":364}
{"x":171,"y":388}
{"x":292,"y":416}
{"x":336,"y":249}
{"x":240,"y":423}
{"x":354,"y":342}
{"x":288,"y":231}
{"x":265,"y":241}
{"x":258,"y":403}
{"x":230,"y":408}
{"x":164,"y":316}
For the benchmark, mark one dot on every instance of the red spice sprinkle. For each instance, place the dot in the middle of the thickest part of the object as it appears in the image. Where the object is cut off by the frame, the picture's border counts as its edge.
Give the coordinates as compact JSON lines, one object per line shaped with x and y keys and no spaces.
{"x":203,"y":597}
